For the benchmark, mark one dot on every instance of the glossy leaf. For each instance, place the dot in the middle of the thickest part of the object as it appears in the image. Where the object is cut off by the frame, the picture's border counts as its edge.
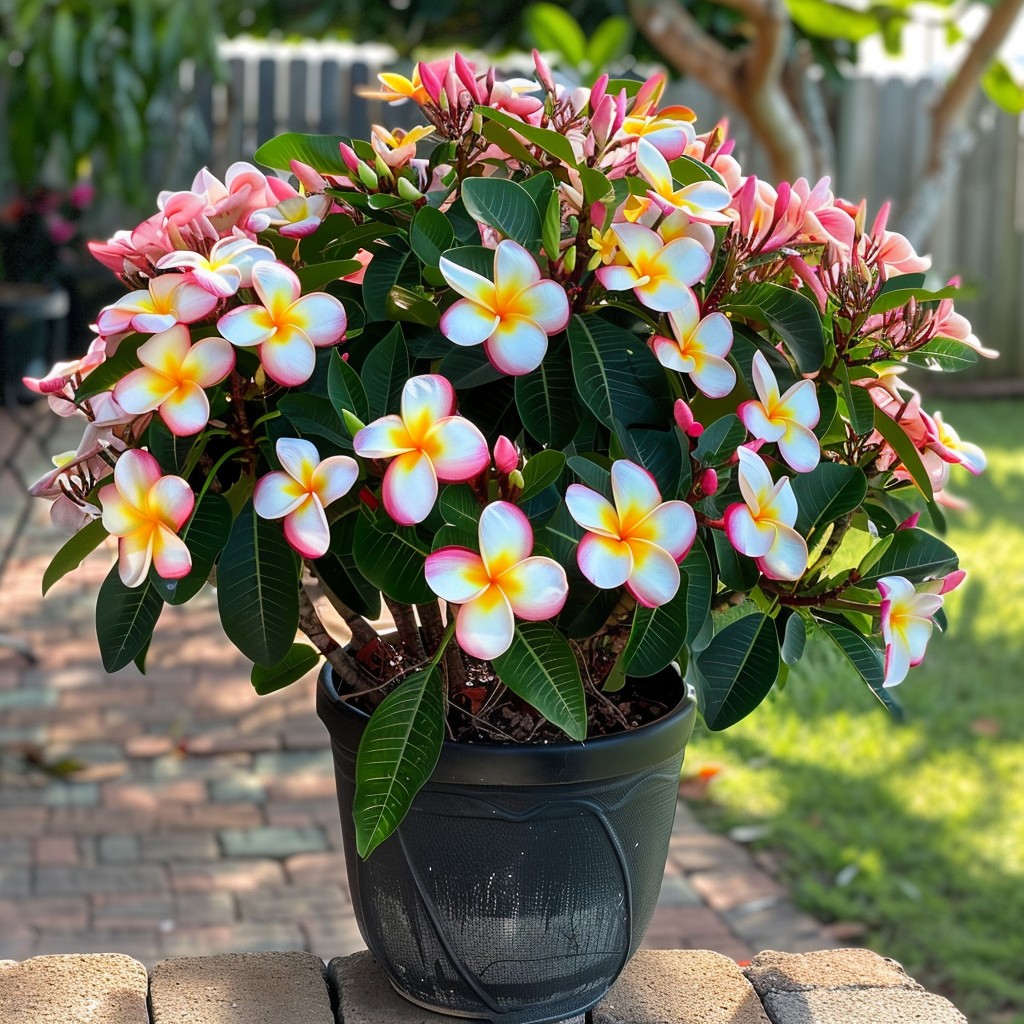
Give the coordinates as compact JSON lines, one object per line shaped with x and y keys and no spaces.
{"x":431,"y":235}
{"x":382,"y":273}
{"x":337,"y":570}
{"x":657,"y":635}
{"x":541,"y":668}
{"x":826,"y":494}
{"x":540,"y":470}
{"x":321,"y":152}
{"x":718,"y":444}
{"x":545,"y":399}
{"x":792,"y":316}
{"x":505,"y":206}
{"x":551,"y":142}
{"x":904,"y":448}
{"x":315,"y":416}
{"x":385,"y":372}
{"x":865,"y":658}
{"x":794,"y":638}
{"x":944,"y":354}
{"x":397,"y":753}
{"x":258,"y":589}
{"x":345,"y":389}
{"x":700,"y":584}
{"x":914,"y":554}
{"x":737,"y":670}
{"x":298,"y":662}
{"x":125,"y":617}
{"x":393,"y":560}
{"x":205,"y":535}
{"x":73,"y":552}
{"x":659,"y":452}
{"x":316,"y":276}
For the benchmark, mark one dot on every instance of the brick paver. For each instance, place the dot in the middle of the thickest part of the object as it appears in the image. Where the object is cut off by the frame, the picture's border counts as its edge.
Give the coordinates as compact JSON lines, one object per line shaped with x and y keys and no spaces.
{"x":176,"y":813}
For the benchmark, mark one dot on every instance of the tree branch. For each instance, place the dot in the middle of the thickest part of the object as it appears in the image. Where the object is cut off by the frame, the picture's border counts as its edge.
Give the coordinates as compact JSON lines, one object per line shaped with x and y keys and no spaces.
{"x":408,"y":631}
{"x":310,"y":624}
{"x":361,"y":630}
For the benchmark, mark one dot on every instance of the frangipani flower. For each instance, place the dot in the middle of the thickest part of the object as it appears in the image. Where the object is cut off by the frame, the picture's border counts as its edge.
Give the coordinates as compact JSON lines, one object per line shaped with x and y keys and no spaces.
{"x":299,"y":492}
{"x":294,"y":217}
{"x":761,"y":526}
{"x":287,"y":327}
{"x":503,"y":581}
{"x":639,"y":541}
{"x":907,"y":624}
{"x":172,"y":377}
{"x":512,"y":316}
{"x":658,"y":273}
{"x":145,"y":510}
{"x":698,"y":347}
{"x":950,"y":448}
{"x":670,"y":130}
{"x":427,"y":444}
{"x":702,"y":200}
{"x":226,"y":269}
{"x":170,"y":299}
{"x":786,"y":419}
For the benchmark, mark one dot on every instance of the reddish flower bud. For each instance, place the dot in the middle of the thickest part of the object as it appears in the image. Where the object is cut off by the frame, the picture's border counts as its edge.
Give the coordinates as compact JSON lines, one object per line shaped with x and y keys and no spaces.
{"x":708,"y":482}
{"x":685,"y":421}
{"x":506,"y":455}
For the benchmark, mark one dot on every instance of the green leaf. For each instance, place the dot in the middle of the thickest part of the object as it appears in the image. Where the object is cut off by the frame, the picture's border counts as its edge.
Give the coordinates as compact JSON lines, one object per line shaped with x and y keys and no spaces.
{"x":826,"y":494}
{"x":314,"y":276}
{"x":551,"y":231}
{"x":541,"y":470}
{"x":895,"y":298}
{"x":718,"y":444}
{"x":385,"y":372}
{"x":541,"y":668}
{"x":904,"y":448}
{"x":112,"y":369}
{"x":431,"y":235}
{"x":866,"y":659}
{"x":337,"y":570}
{"x":945,"y":354}
{"x":345,"y":389}
{"x":736,"y":571}
{"x":794,"y":638}
{"x":459,"y":507}
{"x":915,"y":555}
{"x":506,"y":206}
{"x":699,"y":588}
{"x":300,"y":659}
{"x":545,"y":401}
{"x":833,"y":21}
{"x":1003,"y":89}
{"x":73,"y":552}
{"x":551,"y":142}
{"x":657,"y":635}
{"x":659,"y":452}
{"x":597,"y":477}
{"x":610,"y":42}
{"x":477,"y":258}
{"x":617,"y":375}
{"x":205,"y":535}
{"x":587,"y":608}
{"x":393,"y":560}
{"x":792,"y":316}
{"x":321,"y":152}
{"x":171,"y":451}
{"x":560,"y":536}
{"x":859,"y":406}
{"x":396,"y":756}
{"x":382,"y":274}
{"x":258,"y":589}
{"x":125,"y":617}
{"x":551,"y":27}
{"x":737,"y":670}
{"x":411,"y":306}
{"x":314,"y":414}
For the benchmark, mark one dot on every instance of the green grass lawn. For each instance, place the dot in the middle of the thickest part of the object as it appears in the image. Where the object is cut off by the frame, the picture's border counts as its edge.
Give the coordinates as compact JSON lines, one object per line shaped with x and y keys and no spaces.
{"x":915,"y":829}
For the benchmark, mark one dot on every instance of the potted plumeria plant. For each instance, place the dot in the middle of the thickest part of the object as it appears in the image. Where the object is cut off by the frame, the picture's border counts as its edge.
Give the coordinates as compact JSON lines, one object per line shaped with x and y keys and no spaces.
{"x":548,"y":381}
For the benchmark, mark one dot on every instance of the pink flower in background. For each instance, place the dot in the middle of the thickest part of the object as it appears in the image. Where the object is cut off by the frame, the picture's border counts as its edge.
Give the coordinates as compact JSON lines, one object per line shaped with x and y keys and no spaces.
{"x":500,"y":583}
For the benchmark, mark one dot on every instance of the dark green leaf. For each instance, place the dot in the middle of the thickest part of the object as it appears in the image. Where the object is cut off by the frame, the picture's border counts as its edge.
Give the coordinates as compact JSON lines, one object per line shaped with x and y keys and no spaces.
{"x":314,"y":276}
{"x":300,"y":659}
{"x":945,"y":354}
{"x":541,"y":668}
{"x":699,"y":589}
{"x":321,"y":152}
{"x":540,"y":470}
{"x":895,"y":298}
{"x":551,"y":142}
{"x":411,"y":306}
{"x":915,"y":555}
{"x":337,"y":570}
{"x":545,"y":400}
{"x":865,"y":658}
{"x":313,"y":415}
{"x":205,"y":535}
{"x":860,"y":408}
{"x":258,"y":589}
{"x":430,"y":235}
{"x":718,"y":444}
{"x":904,"y":448}
{"x":397,"y":754}
{"x":477,"y":258}
{"x":657,"y":635}
{"x":468,"y":367}
{"x":125,"y":617}
{"x":587,"y":608}
{"x":791,"y":315}
{"x":737,"y":670}
{"x":826,"y":494}
{"x":595,"y":476}
{"x":560,"y":536}
{"x":459,"y":507}
{"x":736,"y":571}
{"x":505,"y":206}
{"x":393,"y":561}
{"x":659,"y":452}
{"x":346,"y":389}
{"x":385,"y":372}
{"x":73,"y":551}
{"x":382,"y":274}
{"x":112,"y":369}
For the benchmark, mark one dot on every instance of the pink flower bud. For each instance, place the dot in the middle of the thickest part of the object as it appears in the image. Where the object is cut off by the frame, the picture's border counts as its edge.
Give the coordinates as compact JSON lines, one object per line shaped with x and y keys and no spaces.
{"x":506,"y":455}
{"x":543,"y":72}
{"x":708,"y":482}
{"x":909,"y":524}
{"x":685,"y":421}
{"x":348,"y":154}
{"x":430,"y":80}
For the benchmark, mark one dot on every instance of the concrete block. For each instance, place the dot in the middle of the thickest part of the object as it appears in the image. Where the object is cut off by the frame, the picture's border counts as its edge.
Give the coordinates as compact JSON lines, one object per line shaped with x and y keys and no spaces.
{"x":771,"y":971}
{"x":365,"y":995}
{"x":241,"y":988}
{"x":681,"y":987}
{"x":861,"y":1006}
{"x":94,"y":988}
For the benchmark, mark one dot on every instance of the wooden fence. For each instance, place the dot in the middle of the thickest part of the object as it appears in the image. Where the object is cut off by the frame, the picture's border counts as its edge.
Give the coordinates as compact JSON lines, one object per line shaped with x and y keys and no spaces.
{"x":272,"y":87}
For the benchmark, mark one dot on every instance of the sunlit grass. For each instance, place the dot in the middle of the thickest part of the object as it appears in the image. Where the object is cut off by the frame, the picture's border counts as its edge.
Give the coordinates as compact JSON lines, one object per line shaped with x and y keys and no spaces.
{"x":915,"y":829}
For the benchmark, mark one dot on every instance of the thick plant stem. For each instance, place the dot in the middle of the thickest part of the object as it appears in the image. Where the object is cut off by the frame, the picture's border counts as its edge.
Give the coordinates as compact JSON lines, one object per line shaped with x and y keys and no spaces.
{"x":432,"y":625}
{"x":616,"y":627}
{"x":310,"y":624}
{"x":361,"y":630}
{"x":408,"y":631}
{"x":453,"y":662}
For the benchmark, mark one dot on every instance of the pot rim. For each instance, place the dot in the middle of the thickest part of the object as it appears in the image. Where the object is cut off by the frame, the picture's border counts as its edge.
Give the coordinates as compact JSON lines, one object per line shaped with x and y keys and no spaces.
{"x":532,"y":764}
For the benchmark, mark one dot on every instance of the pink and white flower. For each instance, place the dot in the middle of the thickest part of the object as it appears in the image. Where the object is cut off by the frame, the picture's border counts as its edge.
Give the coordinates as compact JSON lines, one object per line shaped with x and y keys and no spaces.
{"x":761,"y":526}
{"x":227,"y":268}
{"x":501,"y":582}
{"x":427,"y":444}
{"x":907,"y":614}
{"x":145,"y":510}
{"x":170,"y":299}
{"x":704,"y":201}
{"x":288,"y":327}
{"x":950,"y":448}
{"x":172,"y":377}
{"x":294,"y":217}
{"x":786,"y":419}
{"x":512,"y":316}
{"x":659,"y":274}
{"x":698,"y":347}
{"x":299,"y":492}
{"x":638,"y":541}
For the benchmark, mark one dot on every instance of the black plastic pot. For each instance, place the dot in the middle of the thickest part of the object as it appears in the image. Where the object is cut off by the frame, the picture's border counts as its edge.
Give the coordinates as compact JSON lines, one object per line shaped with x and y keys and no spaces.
{"x":523,"y":877}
